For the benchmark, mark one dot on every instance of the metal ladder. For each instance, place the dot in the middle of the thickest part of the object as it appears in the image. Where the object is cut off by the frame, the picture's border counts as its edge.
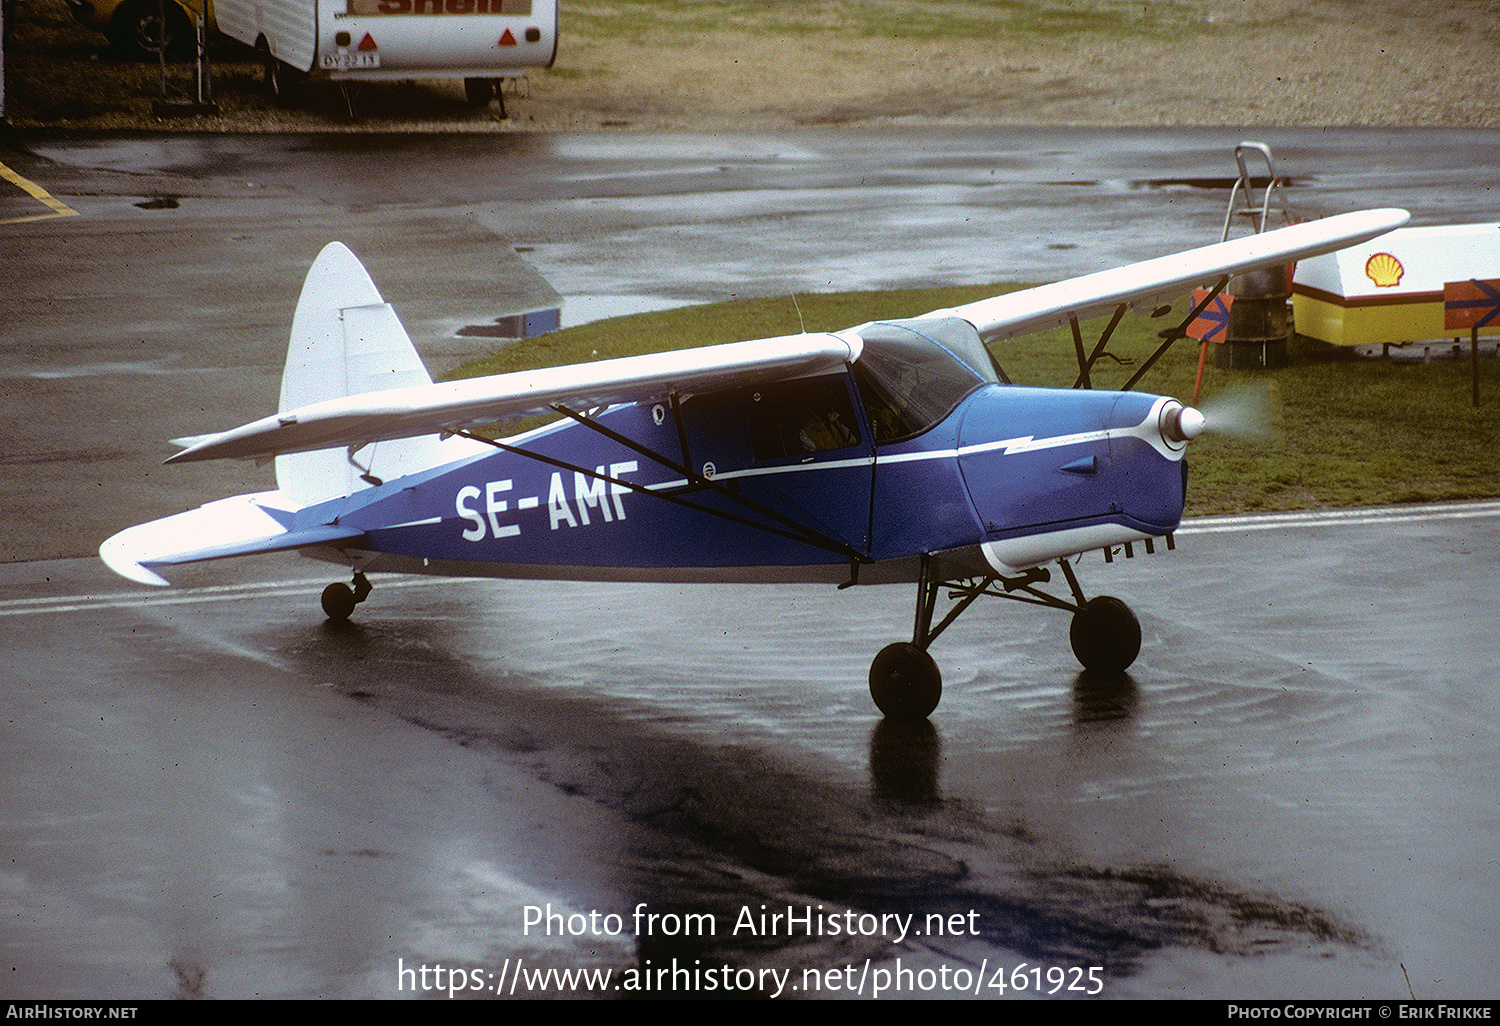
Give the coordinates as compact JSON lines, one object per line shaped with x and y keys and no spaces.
{"x":1243,"y":192}
{"x":176,"y":101}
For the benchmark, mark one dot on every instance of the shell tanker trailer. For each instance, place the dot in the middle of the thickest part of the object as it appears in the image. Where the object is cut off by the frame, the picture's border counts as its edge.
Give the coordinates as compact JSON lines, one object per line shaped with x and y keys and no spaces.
{"x":481,"y":42}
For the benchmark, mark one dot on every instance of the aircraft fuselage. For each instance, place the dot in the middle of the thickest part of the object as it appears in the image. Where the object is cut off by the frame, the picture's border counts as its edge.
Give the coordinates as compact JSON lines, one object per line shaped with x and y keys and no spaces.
{"x":785,"y":482}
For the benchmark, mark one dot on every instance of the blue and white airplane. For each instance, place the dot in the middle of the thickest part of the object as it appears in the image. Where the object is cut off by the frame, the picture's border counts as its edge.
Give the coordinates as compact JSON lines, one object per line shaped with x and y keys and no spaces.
{"x":895,"y":451}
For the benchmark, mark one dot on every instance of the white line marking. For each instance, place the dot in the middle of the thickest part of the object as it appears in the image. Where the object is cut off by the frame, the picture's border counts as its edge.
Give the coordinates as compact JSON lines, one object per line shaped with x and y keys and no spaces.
{"x":1340,"y":517}
{"x":411,"y":523}
{"x":188,"y":596}
{"x":1199,"y":525}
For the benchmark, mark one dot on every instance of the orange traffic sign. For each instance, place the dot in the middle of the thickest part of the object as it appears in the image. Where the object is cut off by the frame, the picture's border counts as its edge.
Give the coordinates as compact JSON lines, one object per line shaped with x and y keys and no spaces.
{"x":1212,"y":325}
{"x":1471,"y":304}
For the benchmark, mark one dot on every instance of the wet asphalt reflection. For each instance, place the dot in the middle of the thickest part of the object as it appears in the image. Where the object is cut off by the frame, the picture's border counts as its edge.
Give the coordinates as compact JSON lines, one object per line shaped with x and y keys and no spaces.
{"x":728,"y":826}
{"x":1286,"y":794}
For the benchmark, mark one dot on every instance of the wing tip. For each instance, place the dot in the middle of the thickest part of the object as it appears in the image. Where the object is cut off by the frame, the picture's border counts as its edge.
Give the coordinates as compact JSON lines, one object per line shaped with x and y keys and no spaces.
{"x":1380,"y":219}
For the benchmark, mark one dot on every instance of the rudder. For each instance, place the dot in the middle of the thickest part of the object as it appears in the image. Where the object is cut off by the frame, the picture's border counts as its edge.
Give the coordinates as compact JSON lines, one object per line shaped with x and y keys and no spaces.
{"x":347,"y":340}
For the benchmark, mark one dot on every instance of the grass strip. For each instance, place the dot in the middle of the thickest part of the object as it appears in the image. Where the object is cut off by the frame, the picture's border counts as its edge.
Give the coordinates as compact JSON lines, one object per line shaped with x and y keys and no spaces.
{"x":1344,"y":431}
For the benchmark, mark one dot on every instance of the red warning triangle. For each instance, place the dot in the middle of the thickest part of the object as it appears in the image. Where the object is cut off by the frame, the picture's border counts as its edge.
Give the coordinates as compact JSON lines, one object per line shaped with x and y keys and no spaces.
{"x":367,"y":43}
{"x":507,"y":39}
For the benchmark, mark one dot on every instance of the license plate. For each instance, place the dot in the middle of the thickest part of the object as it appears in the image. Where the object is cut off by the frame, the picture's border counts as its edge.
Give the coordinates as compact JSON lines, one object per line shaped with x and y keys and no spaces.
{"x":349,"y":60}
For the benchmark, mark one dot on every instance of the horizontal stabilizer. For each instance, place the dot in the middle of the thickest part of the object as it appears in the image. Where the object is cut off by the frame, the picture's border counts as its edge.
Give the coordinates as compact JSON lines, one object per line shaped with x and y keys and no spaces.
{"x":1166,"y":278}
{"x":239,"y":526}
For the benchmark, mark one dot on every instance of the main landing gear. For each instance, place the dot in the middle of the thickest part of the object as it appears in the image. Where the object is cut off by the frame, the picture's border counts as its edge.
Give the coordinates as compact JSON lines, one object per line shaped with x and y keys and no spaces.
{"x":339,"y":600}
{"x":905,"y":681}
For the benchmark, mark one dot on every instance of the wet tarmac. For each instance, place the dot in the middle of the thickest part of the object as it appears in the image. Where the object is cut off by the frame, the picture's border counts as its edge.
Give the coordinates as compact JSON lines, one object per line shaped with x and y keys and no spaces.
{"x":1291,"y":793}
{"x":212,"y":793}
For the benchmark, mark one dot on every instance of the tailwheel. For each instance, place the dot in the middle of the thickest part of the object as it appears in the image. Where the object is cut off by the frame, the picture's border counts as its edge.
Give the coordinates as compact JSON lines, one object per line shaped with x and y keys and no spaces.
{"x":905,"y":682}
{"x":340,"y":599}
{"x":1105,"y":634}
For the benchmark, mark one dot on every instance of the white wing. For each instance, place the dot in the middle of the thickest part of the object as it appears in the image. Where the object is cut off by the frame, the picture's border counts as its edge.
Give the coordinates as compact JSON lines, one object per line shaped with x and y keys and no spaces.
{"x":426,"y":409}
{"x":1168,"y":277}
{"x":357,"y":420}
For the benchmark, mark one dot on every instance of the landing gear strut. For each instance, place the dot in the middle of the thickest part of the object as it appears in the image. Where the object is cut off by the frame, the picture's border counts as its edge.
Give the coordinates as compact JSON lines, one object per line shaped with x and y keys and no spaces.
{"x":905,"y":681}
{"x":339,"y":600}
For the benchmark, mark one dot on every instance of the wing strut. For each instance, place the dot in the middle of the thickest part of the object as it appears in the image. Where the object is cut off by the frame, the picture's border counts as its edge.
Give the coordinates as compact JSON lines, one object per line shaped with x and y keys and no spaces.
{"x":1086,"y":363}
{"x":1178,"y":332}
{"x":696,"y":481}
{"x":1084,"y":366}
{"x":790,"y":528}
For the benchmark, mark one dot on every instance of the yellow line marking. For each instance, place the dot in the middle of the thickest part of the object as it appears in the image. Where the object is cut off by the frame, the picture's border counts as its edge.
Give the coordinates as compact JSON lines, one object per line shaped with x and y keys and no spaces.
{"x":57,"y":206}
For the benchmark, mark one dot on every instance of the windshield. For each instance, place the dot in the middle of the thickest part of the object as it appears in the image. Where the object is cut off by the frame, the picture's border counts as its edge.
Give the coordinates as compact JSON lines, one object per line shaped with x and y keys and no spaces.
{"x":913,"y":373}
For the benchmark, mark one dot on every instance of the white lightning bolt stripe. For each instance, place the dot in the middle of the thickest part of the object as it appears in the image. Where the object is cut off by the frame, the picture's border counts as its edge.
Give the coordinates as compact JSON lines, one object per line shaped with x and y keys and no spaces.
{"x":1011,"y":446}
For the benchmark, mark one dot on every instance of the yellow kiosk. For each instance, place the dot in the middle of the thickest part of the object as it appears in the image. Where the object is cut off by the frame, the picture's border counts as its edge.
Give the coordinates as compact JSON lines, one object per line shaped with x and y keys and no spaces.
{"x":1390,"y":290}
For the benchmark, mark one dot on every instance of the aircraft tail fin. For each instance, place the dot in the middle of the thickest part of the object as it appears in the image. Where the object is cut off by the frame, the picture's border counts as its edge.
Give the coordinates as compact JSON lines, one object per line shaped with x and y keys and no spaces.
{"x":347,"y":340}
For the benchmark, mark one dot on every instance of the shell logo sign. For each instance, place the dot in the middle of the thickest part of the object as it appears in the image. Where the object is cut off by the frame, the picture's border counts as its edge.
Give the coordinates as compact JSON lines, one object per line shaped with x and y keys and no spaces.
{"x":1384,"y":270}
{"x":1367,"y":295}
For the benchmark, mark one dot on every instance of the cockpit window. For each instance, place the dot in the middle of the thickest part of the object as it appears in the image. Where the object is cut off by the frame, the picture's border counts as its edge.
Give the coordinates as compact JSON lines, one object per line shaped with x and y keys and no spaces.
{"x":799,"y":418}
{"x":913,"y":373}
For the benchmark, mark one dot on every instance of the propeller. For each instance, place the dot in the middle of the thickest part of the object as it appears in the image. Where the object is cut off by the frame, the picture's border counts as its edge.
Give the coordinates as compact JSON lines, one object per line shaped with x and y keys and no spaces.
{"x":1246,"y":412}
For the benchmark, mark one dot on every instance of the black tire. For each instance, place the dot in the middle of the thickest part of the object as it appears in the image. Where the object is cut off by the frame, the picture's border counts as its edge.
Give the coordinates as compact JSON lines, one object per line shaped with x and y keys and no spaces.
{"x":283,"y":81}
{"x":339,"y":601}
{"x":905,"y":682}
{"x":479,"y":91}
{"x":1105,"y":635}
{"x":137,"y":29}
